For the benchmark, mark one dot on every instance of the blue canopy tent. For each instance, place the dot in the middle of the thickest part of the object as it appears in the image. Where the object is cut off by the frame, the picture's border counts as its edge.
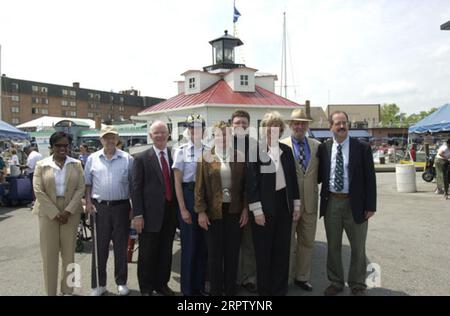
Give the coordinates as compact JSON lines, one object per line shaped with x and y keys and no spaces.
{"x":436,"y":122}
{"x":9,"y":131}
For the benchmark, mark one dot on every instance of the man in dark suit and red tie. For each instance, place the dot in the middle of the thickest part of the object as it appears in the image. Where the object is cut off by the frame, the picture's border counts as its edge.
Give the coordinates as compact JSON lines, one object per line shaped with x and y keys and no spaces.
{"x":347,"y":200}
{"x":154,"y":212}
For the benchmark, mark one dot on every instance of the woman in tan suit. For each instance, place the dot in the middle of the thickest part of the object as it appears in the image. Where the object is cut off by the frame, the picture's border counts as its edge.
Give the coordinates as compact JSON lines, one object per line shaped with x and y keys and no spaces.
{"x":59,"y":186}
{"x":222,"y":209}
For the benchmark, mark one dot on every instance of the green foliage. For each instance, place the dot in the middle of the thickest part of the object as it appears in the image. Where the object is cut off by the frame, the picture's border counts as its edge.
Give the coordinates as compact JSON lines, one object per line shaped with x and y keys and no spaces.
{"x":392,"y":117}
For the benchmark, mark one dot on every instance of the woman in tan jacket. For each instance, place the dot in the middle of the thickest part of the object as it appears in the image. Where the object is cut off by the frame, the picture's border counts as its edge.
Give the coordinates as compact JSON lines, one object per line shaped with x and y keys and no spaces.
{"x":59,"y":186}
{"x":222,"y":209}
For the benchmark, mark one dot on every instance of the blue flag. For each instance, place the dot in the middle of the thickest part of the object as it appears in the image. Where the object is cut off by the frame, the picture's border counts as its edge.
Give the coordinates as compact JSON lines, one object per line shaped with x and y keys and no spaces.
{"x":236,"y":14}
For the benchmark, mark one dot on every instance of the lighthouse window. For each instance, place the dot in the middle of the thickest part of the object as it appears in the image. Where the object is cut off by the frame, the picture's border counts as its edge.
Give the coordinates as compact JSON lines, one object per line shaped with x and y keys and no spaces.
{"x":244,"y":80}
{"x":191,"y":83}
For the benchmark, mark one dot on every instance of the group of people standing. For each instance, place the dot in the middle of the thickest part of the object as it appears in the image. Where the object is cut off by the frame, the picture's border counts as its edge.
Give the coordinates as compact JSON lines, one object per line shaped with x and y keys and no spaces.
{"x":247,"y":210}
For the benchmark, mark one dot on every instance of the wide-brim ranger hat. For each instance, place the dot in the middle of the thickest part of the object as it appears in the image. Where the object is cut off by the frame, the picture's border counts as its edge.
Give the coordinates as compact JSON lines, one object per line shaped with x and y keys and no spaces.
{"x":299,"y":115}
{"x":195,"y":120}
{"x":108,"y":129}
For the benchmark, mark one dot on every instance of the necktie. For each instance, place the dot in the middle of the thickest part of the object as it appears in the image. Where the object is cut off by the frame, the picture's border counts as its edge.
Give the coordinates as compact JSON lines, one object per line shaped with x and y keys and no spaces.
{"x":166,"y":176}
{"x":301,"y":156}
{"x":339,"y":174}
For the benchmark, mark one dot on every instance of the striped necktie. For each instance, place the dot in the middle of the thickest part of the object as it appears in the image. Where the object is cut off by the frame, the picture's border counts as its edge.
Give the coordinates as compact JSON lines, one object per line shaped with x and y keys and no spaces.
{"x":339,"y":171}
{"x":301,"y":156}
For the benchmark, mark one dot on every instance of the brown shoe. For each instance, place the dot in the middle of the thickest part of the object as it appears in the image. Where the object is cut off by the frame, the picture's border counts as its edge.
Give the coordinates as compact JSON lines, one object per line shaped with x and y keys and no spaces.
{"x":358,"y":291}
{"x":165,"y":291}
{"x":332,"y":290}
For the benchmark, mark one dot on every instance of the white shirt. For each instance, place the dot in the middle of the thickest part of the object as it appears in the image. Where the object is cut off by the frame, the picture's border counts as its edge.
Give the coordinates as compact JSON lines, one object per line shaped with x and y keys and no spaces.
{"x":14,"y":160}
{"x":60,"y":174}
{"x":186,"y":158}
{"x":345,"y":152}
{"x":446,"y":151}
{"x":280,"y":180}
{"x":157,"y":151}
{"x":225,"y":176}
{"x":32,"y":159}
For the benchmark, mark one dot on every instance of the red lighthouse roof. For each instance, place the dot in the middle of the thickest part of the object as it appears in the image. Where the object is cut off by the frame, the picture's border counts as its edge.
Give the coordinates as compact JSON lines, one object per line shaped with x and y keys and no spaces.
{"x":220,"y":93}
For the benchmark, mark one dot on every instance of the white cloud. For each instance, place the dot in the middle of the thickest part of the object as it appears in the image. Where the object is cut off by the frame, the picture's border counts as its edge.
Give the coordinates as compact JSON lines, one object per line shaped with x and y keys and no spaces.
{"x":394,"y":88}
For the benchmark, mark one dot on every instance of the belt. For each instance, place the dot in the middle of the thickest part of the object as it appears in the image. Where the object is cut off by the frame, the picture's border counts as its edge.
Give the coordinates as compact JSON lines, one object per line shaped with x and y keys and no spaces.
{"x":112,"y":203}
{"x":342,"y":196}
{"x":189,"y":185}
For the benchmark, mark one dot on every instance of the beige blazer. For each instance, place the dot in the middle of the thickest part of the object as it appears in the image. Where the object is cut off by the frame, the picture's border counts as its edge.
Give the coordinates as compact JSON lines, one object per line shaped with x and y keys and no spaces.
{"x":45,"y":188}
{"x":307,"y":181}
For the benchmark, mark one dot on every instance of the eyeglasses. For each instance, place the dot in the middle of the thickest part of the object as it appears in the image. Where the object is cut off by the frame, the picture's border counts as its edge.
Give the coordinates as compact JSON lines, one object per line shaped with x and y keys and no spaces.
{"x":61,"y":145}
{"x":345,"y":123}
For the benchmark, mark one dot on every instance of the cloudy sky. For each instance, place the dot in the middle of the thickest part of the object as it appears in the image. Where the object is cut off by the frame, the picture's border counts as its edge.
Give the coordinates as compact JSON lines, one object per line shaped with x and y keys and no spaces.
{"x":341,"y":51}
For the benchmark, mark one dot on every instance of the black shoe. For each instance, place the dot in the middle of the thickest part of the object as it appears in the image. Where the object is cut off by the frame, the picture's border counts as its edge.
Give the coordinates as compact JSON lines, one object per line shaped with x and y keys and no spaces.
{"x":251,"y":287}
{"x":165,"y":291}
{"x":304,"y":285}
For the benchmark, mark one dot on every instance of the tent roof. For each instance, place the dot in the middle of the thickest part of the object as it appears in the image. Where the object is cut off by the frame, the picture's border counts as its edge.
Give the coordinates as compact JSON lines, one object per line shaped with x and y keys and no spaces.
{"x":7,"y":130}
{"x":326,"y":133}
{"x":50,"y":121}
{"x":438,"y":121}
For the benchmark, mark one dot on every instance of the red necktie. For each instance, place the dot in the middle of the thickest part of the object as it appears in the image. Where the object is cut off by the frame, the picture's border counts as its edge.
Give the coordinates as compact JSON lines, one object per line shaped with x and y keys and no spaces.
{"x":166,"y":176}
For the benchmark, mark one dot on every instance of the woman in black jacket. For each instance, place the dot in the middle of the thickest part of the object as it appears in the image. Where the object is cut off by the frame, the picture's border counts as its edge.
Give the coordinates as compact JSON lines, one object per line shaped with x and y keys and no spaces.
{"x":274,"y":200}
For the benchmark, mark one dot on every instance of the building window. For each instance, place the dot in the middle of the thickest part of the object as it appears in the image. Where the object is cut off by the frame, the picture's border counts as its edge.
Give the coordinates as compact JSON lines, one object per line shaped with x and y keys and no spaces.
{"x":15,"y":109}
{"x":121,"y":100}
{"x":35,"y":100}
{"x":64,"y":103}
{"x":121,"y":108}
{"x":44,"y":101}
{"x":111,"y":98}
{"x":97,"y":97}
{"x":14,"y":86}
{"x":244,"y":80}
{"x":70,"y":113}
{"x":73,"y":103}
{"x":44,"y":89}
{"x":191,"y":83}
{"x":73,"y":93}
{"x":15,"y":98}
{"x":93,"y":106}
{"x":90,"y":114}
{"x":35,"y":88}
{"x":65,"y":92}
{"x":44,"y":111}
{"x":15,"y":120}
{"x":34,"y":110}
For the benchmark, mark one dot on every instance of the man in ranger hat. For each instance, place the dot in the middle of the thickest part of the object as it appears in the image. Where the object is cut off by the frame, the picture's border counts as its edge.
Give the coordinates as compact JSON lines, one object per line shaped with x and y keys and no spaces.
{"x":307,"y":165}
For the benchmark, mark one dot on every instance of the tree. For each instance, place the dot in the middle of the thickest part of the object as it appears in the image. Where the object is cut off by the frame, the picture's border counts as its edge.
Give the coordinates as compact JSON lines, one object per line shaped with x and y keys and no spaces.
{"x":391,"y":116}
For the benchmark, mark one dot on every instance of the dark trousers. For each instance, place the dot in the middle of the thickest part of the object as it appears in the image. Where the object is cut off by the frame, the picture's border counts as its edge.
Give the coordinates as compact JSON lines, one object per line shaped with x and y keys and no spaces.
{"x":155,"y":254}
{"x":272,"y":247}
{"x":193,"y":250}
{"x":113,"y":223}
{"x":223,"y":239}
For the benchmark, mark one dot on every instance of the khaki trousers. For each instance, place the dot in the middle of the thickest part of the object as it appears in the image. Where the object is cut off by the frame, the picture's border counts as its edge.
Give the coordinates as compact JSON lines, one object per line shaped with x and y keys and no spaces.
{"x":302,"y":247}
{"x":339,"y":218}
{"x":55,"y":239}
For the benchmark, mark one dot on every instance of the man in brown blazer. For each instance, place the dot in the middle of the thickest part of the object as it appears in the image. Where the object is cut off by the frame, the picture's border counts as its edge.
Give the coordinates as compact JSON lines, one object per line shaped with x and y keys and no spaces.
{"x":304,"y":231}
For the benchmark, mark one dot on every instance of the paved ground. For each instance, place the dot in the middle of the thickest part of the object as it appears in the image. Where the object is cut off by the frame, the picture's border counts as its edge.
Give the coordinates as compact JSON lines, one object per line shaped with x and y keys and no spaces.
{"x":409,"y":239}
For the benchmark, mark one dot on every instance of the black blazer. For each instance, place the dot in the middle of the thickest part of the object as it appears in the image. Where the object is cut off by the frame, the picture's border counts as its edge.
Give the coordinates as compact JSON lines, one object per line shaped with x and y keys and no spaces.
{"x":148,"y":190}
{"x":261,"y":186}
{"x":361,"y":173}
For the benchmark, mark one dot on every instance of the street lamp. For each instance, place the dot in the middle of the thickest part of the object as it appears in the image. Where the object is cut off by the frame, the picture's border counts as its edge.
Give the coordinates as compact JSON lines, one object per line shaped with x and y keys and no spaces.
{"x":445,"y":26}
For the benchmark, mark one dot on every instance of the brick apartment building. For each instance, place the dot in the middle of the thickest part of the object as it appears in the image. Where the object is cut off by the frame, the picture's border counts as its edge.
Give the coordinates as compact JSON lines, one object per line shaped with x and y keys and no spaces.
{"x":24,"y":100}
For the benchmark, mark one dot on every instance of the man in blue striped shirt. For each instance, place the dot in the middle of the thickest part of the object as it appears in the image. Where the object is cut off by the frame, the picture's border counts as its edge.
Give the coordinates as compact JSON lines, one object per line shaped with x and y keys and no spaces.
{"x":107,"y":175}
